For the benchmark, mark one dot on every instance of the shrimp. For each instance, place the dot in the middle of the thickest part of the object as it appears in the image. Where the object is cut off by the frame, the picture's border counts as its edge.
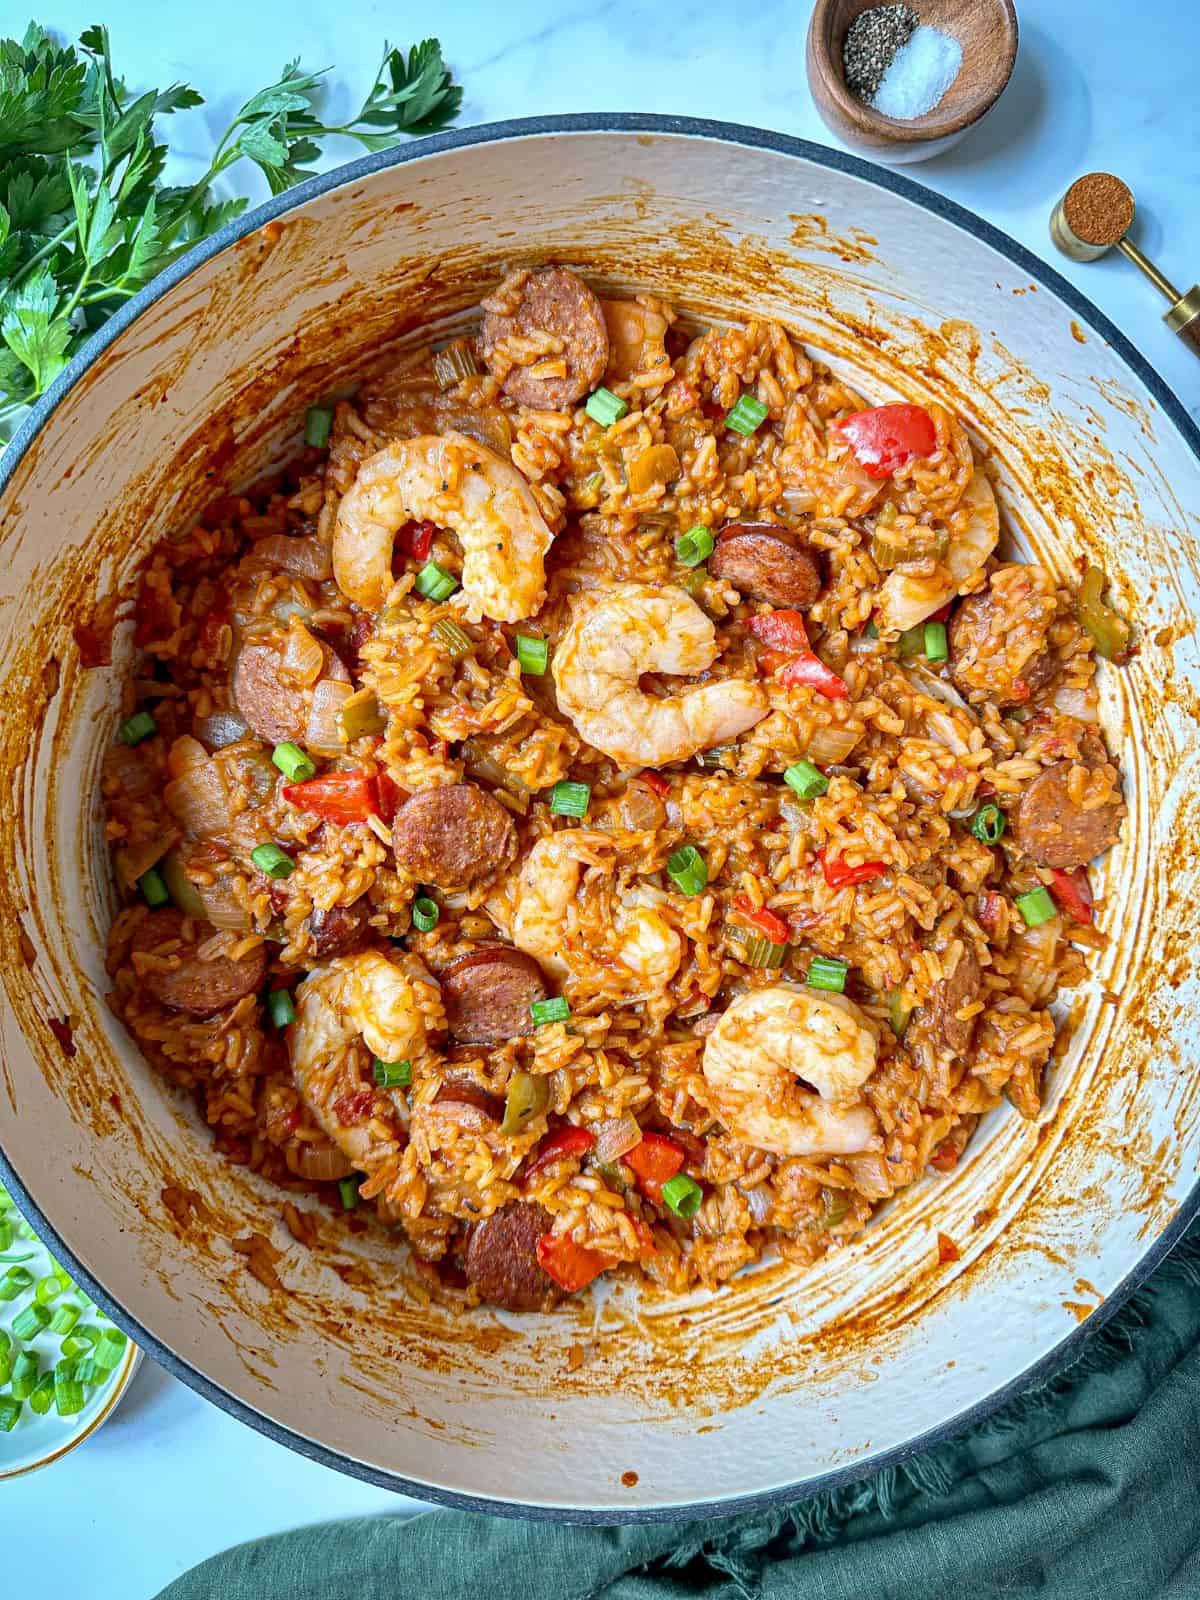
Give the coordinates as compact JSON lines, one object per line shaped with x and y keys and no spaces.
{"x":767,"y":1040}
{"x":630,"y":629}
{"x":541,"y":908}
{"x":905,"y":600}
{"x":458,"y":484}
{"x":390,"y":1004}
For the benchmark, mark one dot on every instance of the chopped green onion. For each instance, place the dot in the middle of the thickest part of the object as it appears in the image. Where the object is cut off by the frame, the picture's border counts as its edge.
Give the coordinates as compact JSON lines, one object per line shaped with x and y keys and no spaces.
{"x":937,"y":647}
{"x":137,"y":727}
{"x":280,"y":1008}
{"x":434,"y":582}
{"x":570,"y":799}
{"x":42,"y":1397}
{"x":65,"y":1317}
{"x":82,"y":1342}
{"x":91,"y":1372}
{"x":348,"y":1191}
{"x":107,"y":1354}
{"x":746,"y":416}
{"x":1036,"y":907}
{"x":5,"y":1199}
{"x":555,"y":1010}
{"x":318,"y":423}
{"x":682,"y":1195}
{"x":694,"y":546}
{"x":6,"y":1233}
{"x":27,"y":1369}
{"x":988,"y":824}
{"x":526,"y":1098}
{"x":154,"y":888}
{"x":806,"y":780}
{"x":604,"y":407}
{"x":69,"y":1398}
{"x":425,"y":913}
{"x":532,"y":654}
{"x":50,"y":1287}
{"x":269,"y":858}
{"x":30,"y":1322}
{"x":911,"y":642}
{"x":393,"y":1074}
{"x":296,"y":765}
{"x":688,"y":870}
{"x":835,"y":1203}
{"x":457,"y":640}
{"x":10,"y":1411}
{"x":759,"y":951}
{"x":14,"y":1282}
{"x":827,"y":972}
{"x":6,"y":1361}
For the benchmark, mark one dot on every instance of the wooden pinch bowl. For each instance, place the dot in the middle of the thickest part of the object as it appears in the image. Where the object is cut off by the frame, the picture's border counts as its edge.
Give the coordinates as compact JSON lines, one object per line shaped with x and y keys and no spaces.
{"x":987,"y":32}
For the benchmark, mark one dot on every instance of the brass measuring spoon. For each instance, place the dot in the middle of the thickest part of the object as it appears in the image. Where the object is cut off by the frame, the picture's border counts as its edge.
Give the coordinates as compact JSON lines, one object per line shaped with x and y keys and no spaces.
{"x":1094,"y":215}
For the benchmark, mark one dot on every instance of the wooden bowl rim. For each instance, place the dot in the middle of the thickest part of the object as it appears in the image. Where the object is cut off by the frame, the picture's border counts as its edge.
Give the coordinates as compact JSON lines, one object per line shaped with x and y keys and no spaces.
{"x":919,"y":130}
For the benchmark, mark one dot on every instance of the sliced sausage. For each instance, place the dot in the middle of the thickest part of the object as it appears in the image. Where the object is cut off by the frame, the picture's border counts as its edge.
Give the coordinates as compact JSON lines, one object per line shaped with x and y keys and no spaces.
{"x":339,"y":930}
{"x":767,"y":563}
{"x":1056,"y":830}
{"x":463,"y":1091}
{"x":488,"y":992}
{"x":950,"y":1033}
{"x":556,"y":302}
{"x":274,"y":710}
{"x":454,"y":836}
{"x":502,"y":1258}
{"x":999,"y":638}
{"x":201,"y":988}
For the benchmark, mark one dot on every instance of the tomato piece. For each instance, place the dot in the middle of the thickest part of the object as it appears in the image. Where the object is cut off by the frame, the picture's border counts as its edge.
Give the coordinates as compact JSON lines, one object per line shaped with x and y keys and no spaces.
{"x":656,"y":781}
{"x":416,"y":539}
{"x":391,"y":796}
{"x":811,"y":671}
{"x":1073,"y":891}
{"x":838,"y":872}
{"x":782,"y":630}
{"x":886,"y":437}
{"x":565,"y":1141}
{"x":572,"y":1266}
{"x":945,"y":1157}
{"x":764,"y":921}
{"x":336,"y":797}
{"x":655,"y":1160}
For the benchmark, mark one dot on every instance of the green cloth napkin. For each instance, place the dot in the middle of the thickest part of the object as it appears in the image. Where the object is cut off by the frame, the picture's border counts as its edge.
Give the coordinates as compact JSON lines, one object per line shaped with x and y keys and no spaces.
{"x":1087,"y":1488}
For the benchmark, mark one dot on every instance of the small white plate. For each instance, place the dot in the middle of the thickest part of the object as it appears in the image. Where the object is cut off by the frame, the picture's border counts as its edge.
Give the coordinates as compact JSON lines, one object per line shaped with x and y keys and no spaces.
{"x":37,"y":1441}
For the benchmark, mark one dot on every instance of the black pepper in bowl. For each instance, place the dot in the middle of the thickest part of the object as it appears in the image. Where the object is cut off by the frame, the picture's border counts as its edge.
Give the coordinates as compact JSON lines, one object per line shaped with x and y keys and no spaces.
{"x":872,"y":39}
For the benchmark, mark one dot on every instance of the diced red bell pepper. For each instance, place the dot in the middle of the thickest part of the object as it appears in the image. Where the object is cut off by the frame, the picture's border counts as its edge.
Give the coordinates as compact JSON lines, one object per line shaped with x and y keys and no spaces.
{"x":655,"y":1160}
{"x":765,"y":922}
{"x":1073,"y":891}
{"x":416,"y":539}
{"x":656,"y":781}
{"x":991,"y":905}
{"x":839,"y":872}
{"x":336,"y":797}
{"x":885,"y":437}
{"x":945,"y":1157}
{"x":354,"y":1105}
{"x":391,"y":796}
{"x":572,"y":1266}
{"x":785,"y":631}
{"x":568,"y":1140}
{"x":645,"y":1238}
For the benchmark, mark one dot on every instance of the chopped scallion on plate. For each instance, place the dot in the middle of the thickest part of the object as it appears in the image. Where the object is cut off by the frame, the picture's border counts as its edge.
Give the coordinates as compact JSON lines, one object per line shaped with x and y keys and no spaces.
{"x":425,"y":913}
{"x":605,"y":407}
{"x":269,"y":858}
{"x":393,"y":1074}
{"x":318,"y":424}
{"x":296,"y":765}
{"x":434,"y":582}
{"x":988,"y":823}
{"x":554,"y":1010}
{"x":280,"y":1008}
{"x":1036,"y":907}
{"x":746,"y":416}
{"x":153,"y":888}
{"x":829,"y":973}
{"x":806,"y":780}
{"x":570,"y":799}
{"x":694,"y":546}
{"x":688,"y":870}
{"x":532,"y":655}
{"x":136,"y":728}
{"x":937,"y":646}
{"x":348,"y":1191}
{"x":682,"y":1195}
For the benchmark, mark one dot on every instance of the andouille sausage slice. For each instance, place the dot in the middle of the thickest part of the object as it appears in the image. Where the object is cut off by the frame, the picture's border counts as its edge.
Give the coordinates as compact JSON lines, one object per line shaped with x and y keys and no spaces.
{"x":767,"y":563}
{"x":1056,"y":828}
{"x":274,"y":709}
{"x":550,"y":301}
{"x":201,"y":988}
{"x":339,"y":930}
{"x":488,"y":992}
{"x":453,"y":836}
{"x":502,"y":1258}
{"x":950,"y":1033}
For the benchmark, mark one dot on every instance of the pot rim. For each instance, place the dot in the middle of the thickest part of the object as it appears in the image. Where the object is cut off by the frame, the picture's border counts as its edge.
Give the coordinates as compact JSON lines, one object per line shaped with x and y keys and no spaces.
{"x":1053,"y":1360}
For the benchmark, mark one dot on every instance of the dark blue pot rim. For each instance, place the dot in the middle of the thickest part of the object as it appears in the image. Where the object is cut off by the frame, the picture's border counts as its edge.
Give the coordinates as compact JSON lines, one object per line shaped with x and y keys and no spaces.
{"x":489,"y":133}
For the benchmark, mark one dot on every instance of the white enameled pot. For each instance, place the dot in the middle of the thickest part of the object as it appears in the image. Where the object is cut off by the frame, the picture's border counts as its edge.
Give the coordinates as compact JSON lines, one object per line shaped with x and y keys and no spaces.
{"x":787,"y":1378}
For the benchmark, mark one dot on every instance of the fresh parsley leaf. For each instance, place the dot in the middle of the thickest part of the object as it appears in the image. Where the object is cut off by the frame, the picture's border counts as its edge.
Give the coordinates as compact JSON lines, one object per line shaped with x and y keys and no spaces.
{"x":32,"y":330}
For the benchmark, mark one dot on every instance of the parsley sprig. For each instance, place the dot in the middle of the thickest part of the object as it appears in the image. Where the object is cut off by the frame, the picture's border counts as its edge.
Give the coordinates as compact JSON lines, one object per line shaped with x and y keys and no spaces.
{"x":85,"y":220}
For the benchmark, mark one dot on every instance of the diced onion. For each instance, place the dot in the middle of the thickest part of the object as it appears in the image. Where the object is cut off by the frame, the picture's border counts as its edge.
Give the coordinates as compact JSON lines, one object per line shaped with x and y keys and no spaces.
{"x":1077,"y":703}
{"x":936,"y":688}
{"x":222,"y":907}
{"x":303,"y":656}
{"x":829,"y":745}
{"x":183,"y":891}
{"x":299,"y":556}
{"x":198,"y":800}
{"x":220,"y":729}
{"x":943,"y":728}
{"x":133,"y":860}
{"x":871,"y":1176}
{"x":317,"y":1162}
{"x":615,"y":1137}
{"x":323,"y":736}
{"x":130,"y":771}
{"x":758,"y":1203}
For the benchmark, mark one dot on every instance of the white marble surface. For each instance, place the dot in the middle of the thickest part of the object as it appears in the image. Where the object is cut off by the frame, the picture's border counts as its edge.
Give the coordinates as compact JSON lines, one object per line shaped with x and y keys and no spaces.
{"x":172,"y":1479}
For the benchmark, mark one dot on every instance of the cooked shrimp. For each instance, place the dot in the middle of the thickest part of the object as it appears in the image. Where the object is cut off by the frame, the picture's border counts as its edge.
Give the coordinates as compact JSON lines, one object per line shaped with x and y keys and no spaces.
{"x":460,"y":485}
{"x":540,"y":912}
{"x":630,"y":629}
{"x":769,"y":1039}
{"x":387,"y":1003}
{"x":905,"y":600}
